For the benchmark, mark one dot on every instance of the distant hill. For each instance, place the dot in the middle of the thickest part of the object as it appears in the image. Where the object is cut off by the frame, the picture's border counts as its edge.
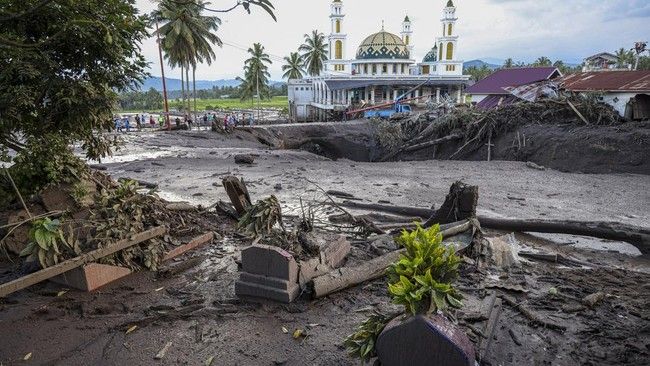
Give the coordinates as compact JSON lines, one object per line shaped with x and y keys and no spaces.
{"x":175,"y":84}
{"x":479,"y":64}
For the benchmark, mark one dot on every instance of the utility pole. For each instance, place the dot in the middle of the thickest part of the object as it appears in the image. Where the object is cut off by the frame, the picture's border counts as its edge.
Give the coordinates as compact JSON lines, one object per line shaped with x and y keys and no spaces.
{"x":162,"y":71}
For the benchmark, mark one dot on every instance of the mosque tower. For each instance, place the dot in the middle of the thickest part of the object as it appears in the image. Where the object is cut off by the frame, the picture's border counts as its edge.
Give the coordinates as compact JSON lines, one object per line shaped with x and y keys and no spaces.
{"x":337,"y":39}
{"x":448,"y":43}
{"x":407,"y":34}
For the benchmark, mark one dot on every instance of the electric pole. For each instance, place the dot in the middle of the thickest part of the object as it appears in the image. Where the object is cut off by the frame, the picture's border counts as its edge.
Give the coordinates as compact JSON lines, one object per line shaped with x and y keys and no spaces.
{"x":162,"y":71}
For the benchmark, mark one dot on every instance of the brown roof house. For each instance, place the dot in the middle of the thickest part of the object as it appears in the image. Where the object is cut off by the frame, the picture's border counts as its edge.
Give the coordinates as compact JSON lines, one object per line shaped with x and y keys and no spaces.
{"x":626,"y":91}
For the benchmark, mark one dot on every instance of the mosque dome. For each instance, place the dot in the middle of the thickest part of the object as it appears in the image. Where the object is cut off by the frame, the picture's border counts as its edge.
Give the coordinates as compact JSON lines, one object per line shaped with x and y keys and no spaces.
{"x":383,"y":45}
{"x":431,"y":56}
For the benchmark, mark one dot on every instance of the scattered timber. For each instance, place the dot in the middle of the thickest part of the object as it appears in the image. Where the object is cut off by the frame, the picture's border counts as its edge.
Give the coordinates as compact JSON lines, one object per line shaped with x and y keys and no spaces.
{"x":238,"y":193}
{"x":47,"y":273}
{"x":636,"y":235}
{"x":346,"y":277}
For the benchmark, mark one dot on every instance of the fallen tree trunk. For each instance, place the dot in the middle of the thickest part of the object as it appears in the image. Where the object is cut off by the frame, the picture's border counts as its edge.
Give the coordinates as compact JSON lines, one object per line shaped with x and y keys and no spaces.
{"x":346,"y":277}
{"x":421,"y":146}
{"x":636,"y":235}
{"x":49,"y":272}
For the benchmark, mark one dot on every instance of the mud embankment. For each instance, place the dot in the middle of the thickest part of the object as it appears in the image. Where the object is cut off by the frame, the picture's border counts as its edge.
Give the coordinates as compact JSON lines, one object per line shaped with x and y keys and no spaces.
{"x":569,"y":148}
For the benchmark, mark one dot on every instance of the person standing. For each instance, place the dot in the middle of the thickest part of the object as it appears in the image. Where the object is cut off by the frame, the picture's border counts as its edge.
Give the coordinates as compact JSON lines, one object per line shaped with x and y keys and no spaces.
{"x":138,"y":122}
{"x":205,"y":119}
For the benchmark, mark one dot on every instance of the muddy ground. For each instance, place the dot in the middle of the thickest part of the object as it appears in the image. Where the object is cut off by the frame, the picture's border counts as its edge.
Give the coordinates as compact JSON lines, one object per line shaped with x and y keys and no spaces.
{"x":198,"y":312}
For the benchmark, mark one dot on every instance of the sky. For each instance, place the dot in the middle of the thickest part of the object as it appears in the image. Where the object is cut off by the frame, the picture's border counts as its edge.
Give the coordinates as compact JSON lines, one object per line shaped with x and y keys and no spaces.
{"x":568,"y":30}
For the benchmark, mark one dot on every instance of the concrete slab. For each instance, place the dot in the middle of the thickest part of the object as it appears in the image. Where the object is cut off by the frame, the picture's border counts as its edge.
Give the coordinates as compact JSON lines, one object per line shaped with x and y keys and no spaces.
{"x":91,"y":276}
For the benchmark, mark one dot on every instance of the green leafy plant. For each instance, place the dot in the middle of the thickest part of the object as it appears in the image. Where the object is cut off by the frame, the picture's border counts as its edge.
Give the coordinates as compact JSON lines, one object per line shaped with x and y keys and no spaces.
{"x":361,"y":344}
{"x":260,"y":218}
{"x":421,"y":279}
{"x":48,"y":243}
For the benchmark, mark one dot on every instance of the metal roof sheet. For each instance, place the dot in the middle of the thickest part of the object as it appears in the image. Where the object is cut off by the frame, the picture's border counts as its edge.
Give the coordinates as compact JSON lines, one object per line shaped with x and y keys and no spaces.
{"x":495,"y":83}
{"x":621,"y":81}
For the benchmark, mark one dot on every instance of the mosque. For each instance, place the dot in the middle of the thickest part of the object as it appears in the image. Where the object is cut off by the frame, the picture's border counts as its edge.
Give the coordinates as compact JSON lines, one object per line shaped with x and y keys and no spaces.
{"x":382,"y":70}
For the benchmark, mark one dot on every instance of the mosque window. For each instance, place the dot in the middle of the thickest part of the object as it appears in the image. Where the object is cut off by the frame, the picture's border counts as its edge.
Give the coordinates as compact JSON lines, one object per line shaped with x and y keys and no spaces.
{"x":408,"y":40}
{"x":374,"y":69}
{"x":338,"y":26}
{"x":338,"y":53}
{"x":440,"y":51}
{"x":450,"y":51}
{"x":449,"y":29}
{"x":402,"y":68}
{"x":394,"y":68}
{"x":443,"y":30}
{"x":365,"y":68}
{"x":425,"y":69}
{"x":384,"y":68}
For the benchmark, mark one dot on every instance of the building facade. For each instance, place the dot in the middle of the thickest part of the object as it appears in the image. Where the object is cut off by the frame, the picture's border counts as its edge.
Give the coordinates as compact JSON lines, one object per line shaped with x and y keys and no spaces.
{"x":382,"y":70}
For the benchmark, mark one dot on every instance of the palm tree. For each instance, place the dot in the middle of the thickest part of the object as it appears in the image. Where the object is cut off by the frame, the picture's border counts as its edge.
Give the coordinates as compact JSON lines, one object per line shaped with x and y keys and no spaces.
{"x":509,"y":63}
{"x":625,"y":57}
{"x":314,"y":52}
{"x":543,"y":61}
{"x":293,"y":69}
{"x":187,"y":38}
{"x":256,"y":74}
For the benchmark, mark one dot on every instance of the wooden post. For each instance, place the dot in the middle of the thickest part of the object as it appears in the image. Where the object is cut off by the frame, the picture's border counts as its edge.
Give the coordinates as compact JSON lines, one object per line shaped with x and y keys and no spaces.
{"x":49,"y":272}
{"x":489,"y":145}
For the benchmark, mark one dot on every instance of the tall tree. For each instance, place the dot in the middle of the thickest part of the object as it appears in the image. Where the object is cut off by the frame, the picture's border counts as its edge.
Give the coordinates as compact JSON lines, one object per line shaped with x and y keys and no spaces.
{"x":293,"y":67}
{"x":543,"y":61}
{"x":256,"y":74}
{"x":508,"y":63}
{"x":314,"y":52}
{"x":625,"y":57}
{"x":61,"y":66}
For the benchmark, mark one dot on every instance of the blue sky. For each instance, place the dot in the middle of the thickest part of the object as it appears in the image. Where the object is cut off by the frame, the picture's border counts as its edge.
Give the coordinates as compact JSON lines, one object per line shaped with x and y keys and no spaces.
{"x":522,"y":29}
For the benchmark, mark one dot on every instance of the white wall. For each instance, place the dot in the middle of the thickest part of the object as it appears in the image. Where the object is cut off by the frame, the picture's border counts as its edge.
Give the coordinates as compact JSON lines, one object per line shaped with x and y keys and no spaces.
{"x":618,"y":100}
{"x":476,"y":98}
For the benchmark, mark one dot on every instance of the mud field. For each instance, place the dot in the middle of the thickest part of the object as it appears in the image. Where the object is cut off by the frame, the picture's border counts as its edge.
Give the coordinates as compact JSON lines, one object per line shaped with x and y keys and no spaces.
{"x":199,"y":313}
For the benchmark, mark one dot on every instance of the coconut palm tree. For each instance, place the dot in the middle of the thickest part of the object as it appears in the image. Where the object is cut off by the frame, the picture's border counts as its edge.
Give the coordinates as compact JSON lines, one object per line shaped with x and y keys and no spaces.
{"x":543,"y":61}
{"x":508,"y":63}
{"x":293,"y":68}
{"x":625,"y":57}
{"x":314,"y":52}
{"x":256,"y":74}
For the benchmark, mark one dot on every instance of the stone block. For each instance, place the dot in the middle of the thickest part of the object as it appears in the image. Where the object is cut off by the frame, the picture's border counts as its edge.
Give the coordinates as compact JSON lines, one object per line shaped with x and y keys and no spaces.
{"x":424,"y":341}
{"x":244,"y":289}
{"x":269,"y":261}
{"x":91,"y":276}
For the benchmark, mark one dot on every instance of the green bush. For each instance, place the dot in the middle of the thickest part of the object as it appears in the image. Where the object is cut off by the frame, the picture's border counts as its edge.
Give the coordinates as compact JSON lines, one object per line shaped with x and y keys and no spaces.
{"x":48,"y":245}
{"x":421,"y":279}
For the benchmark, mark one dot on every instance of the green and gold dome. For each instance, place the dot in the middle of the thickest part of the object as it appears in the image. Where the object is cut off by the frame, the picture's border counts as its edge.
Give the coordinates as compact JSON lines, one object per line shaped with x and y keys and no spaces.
{"x":383,"y":45}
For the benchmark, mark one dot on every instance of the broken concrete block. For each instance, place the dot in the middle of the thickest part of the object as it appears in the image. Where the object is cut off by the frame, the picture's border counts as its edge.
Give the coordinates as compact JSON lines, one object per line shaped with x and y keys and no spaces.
{"x":332,"y":248}
{"x":268,"y":272}
{"x":424,"y":341}
{"x":593,"y":299}
{"x":91,"y":276}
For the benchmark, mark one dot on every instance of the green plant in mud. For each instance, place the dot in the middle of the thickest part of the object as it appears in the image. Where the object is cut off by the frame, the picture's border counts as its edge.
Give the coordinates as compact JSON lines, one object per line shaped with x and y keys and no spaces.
{"x":361,"y":344}
{"x":421,"y":279}
{"x":260,"y":218}
{"x":118,"y":215}
{"x":48,"y":244}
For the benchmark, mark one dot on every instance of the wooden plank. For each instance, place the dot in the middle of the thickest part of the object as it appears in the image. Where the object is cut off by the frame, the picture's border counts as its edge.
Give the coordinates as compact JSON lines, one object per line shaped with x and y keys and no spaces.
{"x":47,"y":273}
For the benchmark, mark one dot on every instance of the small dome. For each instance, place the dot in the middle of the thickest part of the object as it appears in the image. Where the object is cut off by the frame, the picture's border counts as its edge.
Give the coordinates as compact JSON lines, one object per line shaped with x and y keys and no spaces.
{"x":450,"y":4}
{"x":383,"y":45}
{"x":432,"y":56}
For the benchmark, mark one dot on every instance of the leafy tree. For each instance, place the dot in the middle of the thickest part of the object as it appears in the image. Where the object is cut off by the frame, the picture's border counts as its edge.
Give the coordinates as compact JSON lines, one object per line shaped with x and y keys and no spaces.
{"x":508,"y":64}
{"x":293,"y":69}
{"x":625,"y":57}
{"x":543,"y":61}
{"x":61,"y":66}
{"x":256,"y":74}
{"x":478,"y":73}
{"x":314,"y":52}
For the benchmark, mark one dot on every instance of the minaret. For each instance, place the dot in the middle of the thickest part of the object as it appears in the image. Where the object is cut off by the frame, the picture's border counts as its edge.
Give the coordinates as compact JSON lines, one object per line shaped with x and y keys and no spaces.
{"x":337,"y":39}
{"x":448,"y":43}
{"x":407,"y":34}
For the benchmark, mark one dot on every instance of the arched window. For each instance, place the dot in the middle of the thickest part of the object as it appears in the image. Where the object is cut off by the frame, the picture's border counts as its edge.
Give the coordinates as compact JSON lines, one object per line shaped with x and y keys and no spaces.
{"x":443,"y":30}
{"x":450,"y":51}
{"x":338,"y":52}
{"x":408,"y":40}
{"x":440,"y":52}
{"x":449,"y":29}
{"x":338,"y":26}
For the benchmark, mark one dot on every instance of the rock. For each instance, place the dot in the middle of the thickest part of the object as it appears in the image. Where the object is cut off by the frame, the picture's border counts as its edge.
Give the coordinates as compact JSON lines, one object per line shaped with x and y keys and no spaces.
{"x":532,"y":165}
{"x":244,"y":159}
{"x":57,"y":198}
{"x":424,"y":341}
{"x":278,"y":187}
{"x":593,"y":299}
{"x":383,"y":244}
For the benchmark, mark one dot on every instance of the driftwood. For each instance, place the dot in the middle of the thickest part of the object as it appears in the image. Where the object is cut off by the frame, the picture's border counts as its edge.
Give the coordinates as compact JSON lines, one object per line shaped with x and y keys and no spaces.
{"x":532,"y":316}
{"x":636,"y":235}
{"x":346,"y":277}
{"x":460,"y":204}
{"x":238,"y":193}
{"x":421,"y":146}
{"x":47,"y":273}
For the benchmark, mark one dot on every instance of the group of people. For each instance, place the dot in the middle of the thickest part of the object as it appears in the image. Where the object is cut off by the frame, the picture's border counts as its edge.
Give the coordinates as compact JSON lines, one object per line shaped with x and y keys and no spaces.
{"x":231,"y":120}
{"x":124,"y":124}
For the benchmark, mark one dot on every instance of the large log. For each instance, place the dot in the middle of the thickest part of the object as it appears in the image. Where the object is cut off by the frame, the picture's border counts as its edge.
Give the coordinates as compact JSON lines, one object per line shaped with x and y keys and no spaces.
{"x":238,"y":193}
{"x":421,"y":146}
{"x":47,"y":273}
{"x":636,"y":235}
{"x":346,"y":277}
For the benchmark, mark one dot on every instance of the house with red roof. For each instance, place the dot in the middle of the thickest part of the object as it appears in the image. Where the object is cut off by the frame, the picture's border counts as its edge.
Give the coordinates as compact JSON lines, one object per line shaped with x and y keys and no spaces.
{"x":628,"y":92}
{"x":491,"y":91}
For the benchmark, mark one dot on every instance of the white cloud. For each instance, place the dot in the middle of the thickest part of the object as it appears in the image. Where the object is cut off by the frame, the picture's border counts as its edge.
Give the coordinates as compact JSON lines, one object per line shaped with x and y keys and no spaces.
{"x":522,"y":29}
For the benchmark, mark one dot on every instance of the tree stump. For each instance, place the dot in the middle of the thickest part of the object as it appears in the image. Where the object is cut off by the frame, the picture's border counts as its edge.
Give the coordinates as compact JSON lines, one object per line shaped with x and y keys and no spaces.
{"x":424,"y":340}
{"x":460,"y":204}
{"x":238,"y":193}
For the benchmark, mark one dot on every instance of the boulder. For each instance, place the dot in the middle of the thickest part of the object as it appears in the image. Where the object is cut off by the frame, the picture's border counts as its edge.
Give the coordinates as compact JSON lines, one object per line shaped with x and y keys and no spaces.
{"x":244,"y":159}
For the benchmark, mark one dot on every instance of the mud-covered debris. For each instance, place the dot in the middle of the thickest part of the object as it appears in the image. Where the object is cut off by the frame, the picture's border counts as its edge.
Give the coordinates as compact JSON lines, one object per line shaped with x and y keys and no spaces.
{"x":532,"y":165}
{"x":593,"y":299}
{"x":247,"y":159}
